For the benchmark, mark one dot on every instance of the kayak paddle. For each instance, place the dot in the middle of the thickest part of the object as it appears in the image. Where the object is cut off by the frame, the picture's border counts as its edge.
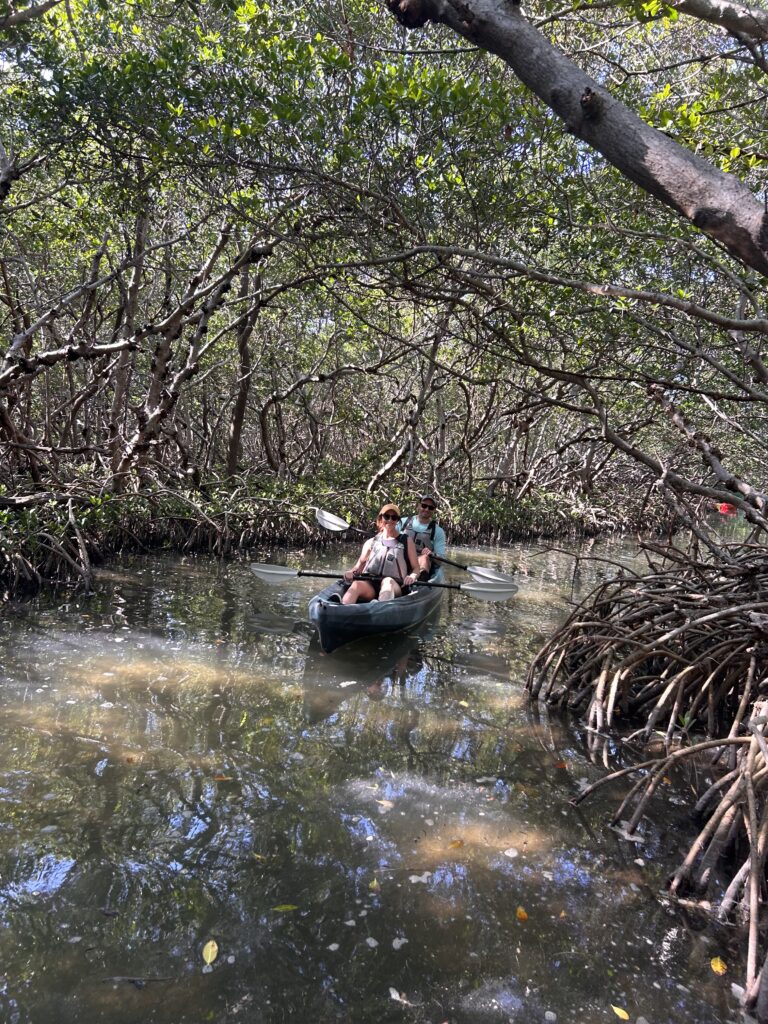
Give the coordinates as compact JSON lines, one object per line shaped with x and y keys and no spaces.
{"x":485,"y":590}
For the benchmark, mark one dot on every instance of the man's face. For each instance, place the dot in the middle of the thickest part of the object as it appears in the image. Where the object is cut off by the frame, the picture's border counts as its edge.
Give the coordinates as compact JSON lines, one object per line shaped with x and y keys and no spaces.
{"x":426,"y":510}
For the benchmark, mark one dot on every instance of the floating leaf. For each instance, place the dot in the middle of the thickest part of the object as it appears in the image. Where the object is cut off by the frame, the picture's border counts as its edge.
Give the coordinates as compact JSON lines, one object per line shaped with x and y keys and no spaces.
{"x":374,"y":885}
{"x":222,"y":778}
{"x":521,"y":914}
{"x":718,"y":965}
{"x":463,"y":703}
{"x":210,"y":951}
{"x":385,"y":804}
{"x":560,"y":764}
{"x":398,"y":997}
{"x":455,"y":844}
{"x":621,"y":1014}
{"x":285,"y":906}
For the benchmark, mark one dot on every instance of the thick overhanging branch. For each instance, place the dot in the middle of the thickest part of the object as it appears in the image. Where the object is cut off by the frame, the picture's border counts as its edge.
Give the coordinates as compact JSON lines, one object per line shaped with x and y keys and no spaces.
{"x":717,"y":204}
{"x":27,"y":14}
{"x":744,"y":20}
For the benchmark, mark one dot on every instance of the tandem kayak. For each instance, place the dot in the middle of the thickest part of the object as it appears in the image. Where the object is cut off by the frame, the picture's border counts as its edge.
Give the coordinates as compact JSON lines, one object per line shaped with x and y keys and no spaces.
{"x":338,"y":624}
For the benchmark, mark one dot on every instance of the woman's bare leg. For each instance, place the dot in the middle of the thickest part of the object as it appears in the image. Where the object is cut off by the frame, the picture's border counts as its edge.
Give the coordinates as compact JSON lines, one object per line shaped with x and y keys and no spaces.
{"x":360,"y":590}
{"x":389,"y":589}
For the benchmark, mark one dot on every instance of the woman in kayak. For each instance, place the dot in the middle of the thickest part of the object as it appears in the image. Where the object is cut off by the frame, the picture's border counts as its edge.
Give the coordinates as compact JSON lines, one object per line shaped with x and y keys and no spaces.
{"x":389,"y":554}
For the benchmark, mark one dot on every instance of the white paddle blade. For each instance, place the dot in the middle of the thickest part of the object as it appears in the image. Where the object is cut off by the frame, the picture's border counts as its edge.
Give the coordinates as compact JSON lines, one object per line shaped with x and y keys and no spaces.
{"x":273,"y":573}
{"x":329,"y":521}
{"x":492,"y":575}
{"x":490,"y":590}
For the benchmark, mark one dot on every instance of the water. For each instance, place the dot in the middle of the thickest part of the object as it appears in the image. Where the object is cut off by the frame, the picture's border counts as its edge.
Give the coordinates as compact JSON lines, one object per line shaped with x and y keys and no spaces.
{"x":382,"y":834}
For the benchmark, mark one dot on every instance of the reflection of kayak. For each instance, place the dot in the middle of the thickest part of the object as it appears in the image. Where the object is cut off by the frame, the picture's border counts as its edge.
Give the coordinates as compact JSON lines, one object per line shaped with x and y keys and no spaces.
{"x":726,"y":509}
{"x":338,"y":624}
{"x":368,"y":668}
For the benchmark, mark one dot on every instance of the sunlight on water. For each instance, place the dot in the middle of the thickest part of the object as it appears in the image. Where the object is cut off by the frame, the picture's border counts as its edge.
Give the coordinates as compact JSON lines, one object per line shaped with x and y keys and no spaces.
{"x":181,"y":763}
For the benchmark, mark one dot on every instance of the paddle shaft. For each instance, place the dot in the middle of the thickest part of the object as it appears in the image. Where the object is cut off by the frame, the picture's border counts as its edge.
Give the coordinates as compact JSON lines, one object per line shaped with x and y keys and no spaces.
{"x":442,"y":558}
{"x":367,"y":576}
{"x":335,"y":575}
{"x":420,"y":583}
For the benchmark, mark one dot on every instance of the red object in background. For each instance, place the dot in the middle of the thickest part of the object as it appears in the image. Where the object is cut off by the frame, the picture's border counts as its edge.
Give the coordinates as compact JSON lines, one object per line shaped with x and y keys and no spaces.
{"x":726,"y":509}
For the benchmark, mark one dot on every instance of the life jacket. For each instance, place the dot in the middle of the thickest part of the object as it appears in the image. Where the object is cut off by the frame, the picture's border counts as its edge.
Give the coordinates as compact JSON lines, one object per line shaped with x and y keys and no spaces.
{"x":420,"y":536}
{"x":388,"y":561}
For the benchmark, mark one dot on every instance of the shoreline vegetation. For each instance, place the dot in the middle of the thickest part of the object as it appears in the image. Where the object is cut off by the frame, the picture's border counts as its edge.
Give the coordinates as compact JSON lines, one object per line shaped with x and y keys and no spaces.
{"x":51,"y":539}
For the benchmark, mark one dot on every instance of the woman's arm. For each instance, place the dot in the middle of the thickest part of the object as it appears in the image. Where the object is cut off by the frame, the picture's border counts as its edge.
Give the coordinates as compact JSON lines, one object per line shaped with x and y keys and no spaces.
{"x":360,"y":563}
{"x":413,"y":558}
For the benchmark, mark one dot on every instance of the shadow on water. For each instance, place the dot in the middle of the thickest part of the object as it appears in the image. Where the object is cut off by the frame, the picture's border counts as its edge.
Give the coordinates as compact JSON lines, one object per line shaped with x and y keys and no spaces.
{"x":382,"y":834}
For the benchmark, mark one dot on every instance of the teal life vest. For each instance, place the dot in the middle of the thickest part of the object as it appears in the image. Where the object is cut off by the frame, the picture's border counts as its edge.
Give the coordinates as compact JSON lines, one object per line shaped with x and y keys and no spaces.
{"x":419,"y":536}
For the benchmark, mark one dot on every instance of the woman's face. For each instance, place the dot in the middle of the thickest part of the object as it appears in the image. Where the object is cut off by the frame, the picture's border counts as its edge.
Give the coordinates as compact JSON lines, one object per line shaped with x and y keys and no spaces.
{"x":388,"y":523}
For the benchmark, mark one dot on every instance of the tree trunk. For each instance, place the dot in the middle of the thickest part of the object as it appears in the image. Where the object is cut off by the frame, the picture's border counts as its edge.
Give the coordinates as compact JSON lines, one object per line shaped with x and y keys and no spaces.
{"x":244,"y":374}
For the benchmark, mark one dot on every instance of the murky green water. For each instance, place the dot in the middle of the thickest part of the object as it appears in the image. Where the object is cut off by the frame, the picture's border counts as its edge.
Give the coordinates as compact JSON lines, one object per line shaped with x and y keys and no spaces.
{"x":382,"y":834}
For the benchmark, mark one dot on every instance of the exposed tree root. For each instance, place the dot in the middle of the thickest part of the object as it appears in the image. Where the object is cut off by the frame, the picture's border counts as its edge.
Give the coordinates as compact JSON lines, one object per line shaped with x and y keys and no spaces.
{"x":683,"y":651}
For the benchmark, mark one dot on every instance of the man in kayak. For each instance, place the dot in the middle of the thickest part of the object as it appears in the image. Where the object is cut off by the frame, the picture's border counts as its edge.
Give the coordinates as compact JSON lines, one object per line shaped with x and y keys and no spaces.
{"x":427,"y":536}
{"x":389,"y":554}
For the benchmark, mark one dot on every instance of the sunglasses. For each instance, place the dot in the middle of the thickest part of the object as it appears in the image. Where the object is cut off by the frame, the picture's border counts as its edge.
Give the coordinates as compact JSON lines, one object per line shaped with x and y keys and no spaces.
{"x":390,"y":517}
{"x":430,"y":507}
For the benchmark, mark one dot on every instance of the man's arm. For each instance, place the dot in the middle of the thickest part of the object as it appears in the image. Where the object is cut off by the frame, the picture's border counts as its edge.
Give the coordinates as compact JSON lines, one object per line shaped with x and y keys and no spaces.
{"x":439,"y":542}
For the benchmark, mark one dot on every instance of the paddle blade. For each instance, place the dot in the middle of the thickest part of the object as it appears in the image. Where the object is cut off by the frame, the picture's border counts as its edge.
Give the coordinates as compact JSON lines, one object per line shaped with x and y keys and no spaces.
{"x":490,"y":590}
{"x":273,"y":573}
{"x":491,"y":575}
{"x":329,"y":521}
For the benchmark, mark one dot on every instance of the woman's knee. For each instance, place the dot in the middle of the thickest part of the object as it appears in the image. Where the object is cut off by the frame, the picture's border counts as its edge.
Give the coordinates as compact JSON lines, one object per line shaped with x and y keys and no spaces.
{"x":359,"y":591}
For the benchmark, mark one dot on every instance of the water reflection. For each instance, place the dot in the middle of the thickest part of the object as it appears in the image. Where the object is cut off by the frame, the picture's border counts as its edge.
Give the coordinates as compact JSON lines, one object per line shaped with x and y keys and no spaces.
{"x":180,"y":763}
{"x":373,"y":667}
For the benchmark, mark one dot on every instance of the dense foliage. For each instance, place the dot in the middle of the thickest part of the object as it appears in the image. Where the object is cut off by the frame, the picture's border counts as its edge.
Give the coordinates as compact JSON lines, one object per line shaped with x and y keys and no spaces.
{"x":243,"y":241}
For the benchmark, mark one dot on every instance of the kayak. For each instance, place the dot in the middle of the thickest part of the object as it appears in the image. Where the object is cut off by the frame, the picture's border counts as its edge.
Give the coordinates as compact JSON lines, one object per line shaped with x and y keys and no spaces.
{"x":338,"y":624}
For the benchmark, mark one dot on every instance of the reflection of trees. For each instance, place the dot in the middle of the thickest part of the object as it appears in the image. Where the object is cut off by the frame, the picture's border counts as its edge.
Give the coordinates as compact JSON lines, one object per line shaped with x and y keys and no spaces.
{"x":206,"y":794}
